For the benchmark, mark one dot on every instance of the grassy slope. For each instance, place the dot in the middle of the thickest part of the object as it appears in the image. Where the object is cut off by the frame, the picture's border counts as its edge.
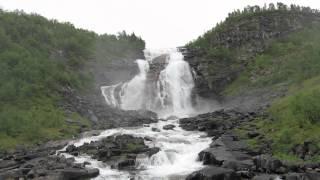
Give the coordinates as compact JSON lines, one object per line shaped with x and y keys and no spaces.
{"x":293,"y":62}
{"x":39,"y":57}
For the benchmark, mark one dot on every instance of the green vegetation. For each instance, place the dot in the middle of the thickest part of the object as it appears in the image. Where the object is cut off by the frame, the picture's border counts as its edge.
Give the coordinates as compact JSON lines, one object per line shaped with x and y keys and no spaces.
{"x":206,"y":41}
{"x":288,"y":61}
{"x":294,"y":122}
{"x":293,"y":62}
{"x":38,"y":58}
{"x":296,"y":119}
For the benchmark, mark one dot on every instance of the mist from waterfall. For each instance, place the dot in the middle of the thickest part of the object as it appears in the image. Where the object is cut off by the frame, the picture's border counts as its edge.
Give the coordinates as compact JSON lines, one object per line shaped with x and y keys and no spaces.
{"x":170,"y":94}
{"x":164,"y":85}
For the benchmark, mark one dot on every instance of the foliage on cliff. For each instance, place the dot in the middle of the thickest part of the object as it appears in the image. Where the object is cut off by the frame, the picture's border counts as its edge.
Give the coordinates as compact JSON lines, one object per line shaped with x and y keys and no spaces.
{"x":38,"y":59}
{"x":207,"y":42}
{"x":225,"y":51}
{"x":258,"y":49}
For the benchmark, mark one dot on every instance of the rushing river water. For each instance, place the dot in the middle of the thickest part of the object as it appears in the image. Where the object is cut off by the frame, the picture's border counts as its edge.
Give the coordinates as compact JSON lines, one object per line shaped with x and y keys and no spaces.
{"x":171,"y":95}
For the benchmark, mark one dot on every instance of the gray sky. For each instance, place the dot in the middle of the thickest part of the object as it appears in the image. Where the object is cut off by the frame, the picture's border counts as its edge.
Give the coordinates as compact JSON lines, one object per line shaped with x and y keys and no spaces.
{"x":162,"y":23}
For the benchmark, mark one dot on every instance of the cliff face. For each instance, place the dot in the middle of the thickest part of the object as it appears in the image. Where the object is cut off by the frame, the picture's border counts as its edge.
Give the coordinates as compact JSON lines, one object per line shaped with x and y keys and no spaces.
{"x":113,"y":62}
{"x":222,"y":53}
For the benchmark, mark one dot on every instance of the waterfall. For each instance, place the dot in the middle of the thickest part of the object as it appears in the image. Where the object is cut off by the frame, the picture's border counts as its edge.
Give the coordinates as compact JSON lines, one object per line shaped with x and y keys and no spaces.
{"x":168,"y":94}
{"x":164,"y":85}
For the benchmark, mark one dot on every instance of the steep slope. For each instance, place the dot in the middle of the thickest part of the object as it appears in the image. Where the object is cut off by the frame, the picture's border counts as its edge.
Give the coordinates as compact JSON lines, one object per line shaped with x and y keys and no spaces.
{"x":50,"y":77}
{"x":222,"y":53}
{"x":266,"y":58}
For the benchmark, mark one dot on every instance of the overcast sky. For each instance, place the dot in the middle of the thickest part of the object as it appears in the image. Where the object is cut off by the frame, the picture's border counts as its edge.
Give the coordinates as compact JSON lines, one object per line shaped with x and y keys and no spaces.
{"x":162,"y":23}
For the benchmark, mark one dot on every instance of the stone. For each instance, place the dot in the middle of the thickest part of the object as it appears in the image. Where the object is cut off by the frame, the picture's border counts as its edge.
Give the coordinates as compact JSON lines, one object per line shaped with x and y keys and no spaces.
{"x":253,"y":134}
{"x":266,"y":163}
{"x":215,"y":173}
{"x":265,"y":177}
{"x":155,"y":129}
{"x":168,"y":127}
{"x":71,"y":173}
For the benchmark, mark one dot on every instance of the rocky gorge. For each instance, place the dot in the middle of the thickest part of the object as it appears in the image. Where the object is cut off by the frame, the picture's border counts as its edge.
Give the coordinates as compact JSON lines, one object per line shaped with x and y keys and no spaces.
{"x":183,"y":113}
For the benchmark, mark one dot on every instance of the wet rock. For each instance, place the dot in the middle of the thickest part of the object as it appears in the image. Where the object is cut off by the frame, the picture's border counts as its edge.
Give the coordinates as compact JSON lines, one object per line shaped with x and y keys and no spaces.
{"x":266,"y":163}
{"x":227,"y":152}
{"x":155,"y":129}
{"x":215,"y":173}
{"x":215,"y":123}
{"x":71,"y":148}
{"x":8,"y":163}
{"x":48,"y":167}
{"x":265,"y":177}
{"x":147,"y":138}
{"x":118,"y":151}
{"x":172,"y":118}
{"x":124,"y":164}
{"x":302,"y":176}
{"x":306,"y":150}
{"x":253,"y":134}
{"x":169,"y":127}
{"x":245,"y":174}
{"x":72,"y":173}
{"x":153,"y":151}
{"x":237,"y":165}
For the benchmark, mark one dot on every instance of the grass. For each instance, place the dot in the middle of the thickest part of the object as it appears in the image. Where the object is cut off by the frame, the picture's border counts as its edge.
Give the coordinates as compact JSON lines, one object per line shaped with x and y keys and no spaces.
{"x":294,"y":121}
{"x":38,"y":59}
{"x":288,"y":61}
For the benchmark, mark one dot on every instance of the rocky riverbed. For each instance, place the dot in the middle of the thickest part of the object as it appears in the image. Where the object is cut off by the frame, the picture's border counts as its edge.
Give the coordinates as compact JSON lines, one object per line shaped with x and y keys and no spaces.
{"x":45,"y":162}
{"x":229,"y":158}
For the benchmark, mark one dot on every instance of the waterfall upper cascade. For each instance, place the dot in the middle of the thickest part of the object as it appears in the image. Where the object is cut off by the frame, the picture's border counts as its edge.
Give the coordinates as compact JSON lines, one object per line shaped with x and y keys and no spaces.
{"x":167,"y":92}
{"x":163,"y":85}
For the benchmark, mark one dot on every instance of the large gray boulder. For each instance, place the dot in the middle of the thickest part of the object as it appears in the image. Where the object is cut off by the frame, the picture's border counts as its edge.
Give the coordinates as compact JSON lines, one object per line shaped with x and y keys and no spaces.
{"x":214,"y":173}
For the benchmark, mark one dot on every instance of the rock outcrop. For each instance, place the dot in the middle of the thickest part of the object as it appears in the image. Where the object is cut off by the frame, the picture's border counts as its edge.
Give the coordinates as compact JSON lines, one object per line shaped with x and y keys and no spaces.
{"x":43,"y":163}
{"x":229,"y":157}
{"x":248,"y":36}
{"x":118,"y":151}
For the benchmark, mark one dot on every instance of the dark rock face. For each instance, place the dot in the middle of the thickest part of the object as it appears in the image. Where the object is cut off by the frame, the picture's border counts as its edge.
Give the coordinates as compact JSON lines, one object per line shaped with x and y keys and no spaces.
{"x":230,"y":154}
{"x":304,"y":176}
{"x":265,"y":177}
{"x":253,"y":34}
{"x":103,"y":116}
{"x":118,"y":151}
{"x":215,"y":123}
{"x":42,"y":163}
{"x":265,"y":163}
{"x":169,"y":127}
{"x":215,"y":173}
{"x":305,"y":150}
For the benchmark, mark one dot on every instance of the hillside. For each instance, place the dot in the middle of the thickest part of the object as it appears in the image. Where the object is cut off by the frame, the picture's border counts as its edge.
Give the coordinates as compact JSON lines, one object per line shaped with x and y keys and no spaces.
{"x":266,"y":58}
{"x":50,"y":76}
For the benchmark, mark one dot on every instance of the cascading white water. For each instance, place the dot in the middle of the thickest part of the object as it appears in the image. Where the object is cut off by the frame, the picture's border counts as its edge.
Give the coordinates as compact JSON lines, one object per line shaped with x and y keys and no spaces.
{"x":171,"y":95}
{"x":130,"y":96}
{"x":173,"y":87}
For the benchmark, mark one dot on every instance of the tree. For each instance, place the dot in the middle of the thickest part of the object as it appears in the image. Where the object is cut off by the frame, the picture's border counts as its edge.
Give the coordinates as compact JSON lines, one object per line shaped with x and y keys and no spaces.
{"x":272,"y":7}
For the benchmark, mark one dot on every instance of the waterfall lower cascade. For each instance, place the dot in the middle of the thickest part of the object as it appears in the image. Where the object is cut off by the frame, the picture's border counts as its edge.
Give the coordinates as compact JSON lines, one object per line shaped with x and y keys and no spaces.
{"x":167,"y":92}
{"x":163,"y":85}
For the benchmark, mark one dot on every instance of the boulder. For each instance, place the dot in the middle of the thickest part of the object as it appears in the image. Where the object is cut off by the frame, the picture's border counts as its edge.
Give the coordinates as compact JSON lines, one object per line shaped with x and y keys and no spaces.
{"x":155,"y":129}
{"x":212,"y":172}
{"x":73,"y":173}
{"x":265,"y":177}
{"x":118,"y":151}
{"x":168,"y":127}
{"x":171,"y":118}
{"x":266,"y":163}
{"x":304,"y":176}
